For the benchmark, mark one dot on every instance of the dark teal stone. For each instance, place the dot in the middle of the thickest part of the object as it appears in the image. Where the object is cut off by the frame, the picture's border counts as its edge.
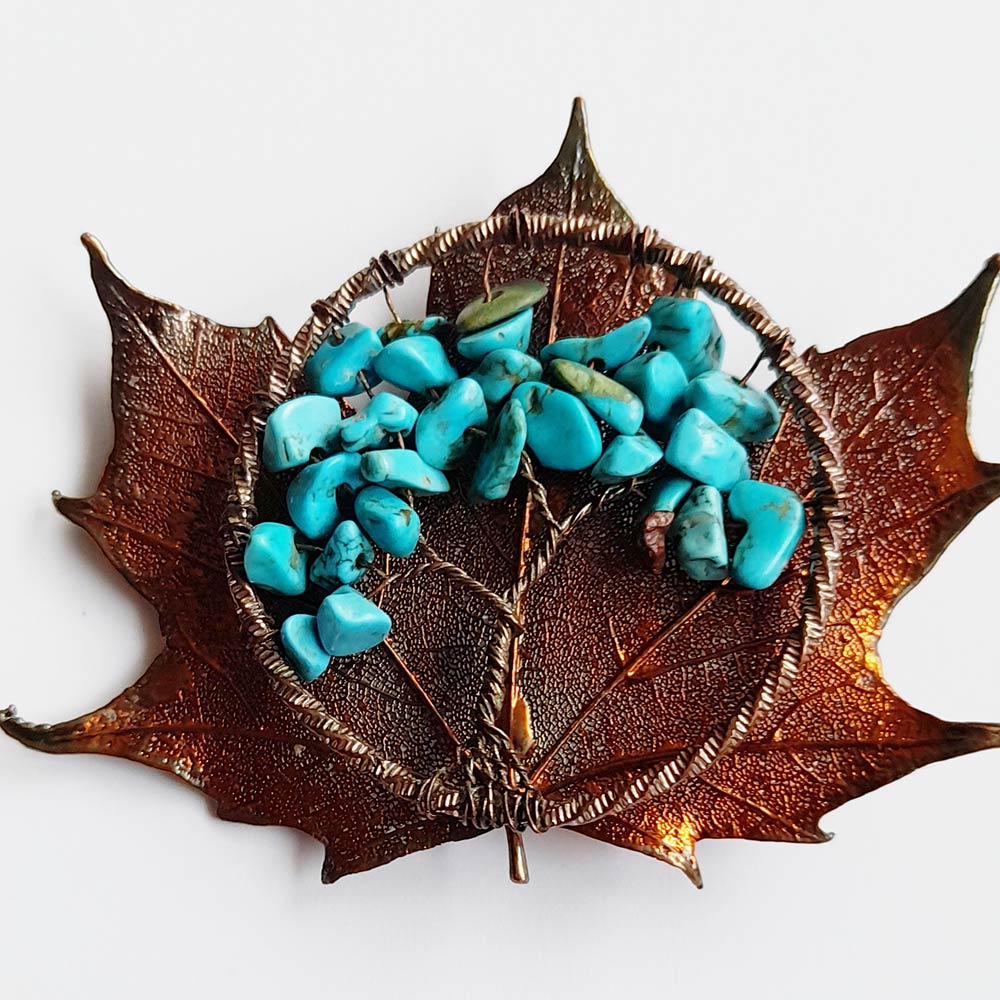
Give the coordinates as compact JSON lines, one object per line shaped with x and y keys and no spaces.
{"x":500,"y":458}
{"x":271,"y":559}
{"x":334,"y":366}
{"x":442,"y":436}
{"x":297,"y":428}
{"x":513,"y":333}
{"x":561,"y":433}
{"x":346,"y":558}
{"x":740,"y":410}
{"x":348,"y":623}
{"x":504,"y":302}
{"x":415,"y":363}
{"x":701,"y":449}
{"x":625,"y":457}
{"x":402,"y":469}
{"x":613,"y":403}
{"x":501,"y":370}
{"x":658,"y":379}
{"x":665,"y":494}
{"x":687,"y":328}
{"x":302,"y":647}
{"x":700,"y":535}
{"x":775,"y":521}
{"x":385,"y":415}
{"x":391,"y":523}
{"x":312,"y":495}
{"x":610,"y":350}
{"x":410,"y":328}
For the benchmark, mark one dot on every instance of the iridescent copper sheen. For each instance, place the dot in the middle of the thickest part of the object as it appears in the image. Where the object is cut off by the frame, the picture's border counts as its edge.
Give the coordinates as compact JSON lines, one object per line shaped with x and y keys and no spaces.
{"x":539,"y":674}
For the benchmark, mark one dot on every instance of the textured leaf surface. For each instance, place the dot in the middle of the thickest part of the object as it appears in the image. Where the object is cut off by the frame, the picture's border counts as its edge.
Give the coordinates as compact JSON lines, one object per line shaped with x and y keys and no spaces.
{"x":899,"y":401}
{"x":662,"y":711}
{"x":204,"y":710}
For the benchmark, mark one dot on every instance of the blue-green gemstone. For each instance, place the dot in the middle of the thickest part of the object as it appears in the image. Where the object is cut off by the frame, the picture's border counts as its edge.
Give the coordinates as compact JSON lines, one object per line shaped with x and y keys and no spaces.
{"x":345,"y":559}
{"x":415,"y":363}
{"x":333,"y":369}
{"x":409,"y":328}
{"x":349,"y":623}
{"x":442,"y":437}
{"x":298,"y":427}
{"x":501,"y":370}
{"x":610,"y":350}
{"x":687,"y":328}
{"x":402,"y":469}
{"x":775,"y":522}
{"x":613,"y":403}
{"x":302,"y":646}
{"x":658,"y":379}
{"x":501,"y":455}
{"x":385,"y":415}
{"x":665,"y":494}
{"x":702,"y":450}
{"x":625,"y":457}
{"x":740,"y":410}
{"x":272,"y":561}
{"x":561,"y":433}
{"x":513,"y":333}
{"x":312,"y":495}
{"x":392,"y":524}
{"x":504,"y":301}
{"x":700,"y":535}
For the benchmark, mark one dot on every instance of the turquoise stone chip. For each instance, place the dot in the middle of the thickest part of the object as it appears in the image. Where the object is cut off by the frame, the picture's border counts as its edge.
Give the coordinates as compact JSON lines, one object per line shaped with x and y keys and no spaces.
{"x":701,"y":449}
{"x":613,"y":403}
{"x":501,"y":455}
{"x":658,"y":379}
{"x":333,"y":369}
{"x":272,"y":561}
{"x":392,"y":524}
{"x":415,"y":363}
{"x":561,"y":433}
{"x":409,"y":328}
{"x":700,"y":535}
{"x":626,"y":456}
{"x":298,"y":427}
{"x":386,"y":414}
{"x":345,"y":559}
{"x":504,"y":302}
{"x":501,"y":370}
{"x":442,"y":437}
{"x":349,"y":623}
{"x":740,"y":410}
{"x":514,"y":333}
{"x":775,"y":522}
{"x":402,"y":469}
{"x":303,"y":648}
{"x":687,"y":328}
{"x":610,"y":350}
{"x":666,"y":494}
{"x":312,"y":495}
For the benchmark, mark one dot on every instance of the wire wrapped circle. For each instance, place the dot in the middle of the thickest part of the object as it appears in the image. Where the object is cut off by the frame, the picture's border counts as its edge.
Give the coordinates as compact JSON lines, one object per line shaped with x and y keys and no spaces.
{"x":641,"y":248}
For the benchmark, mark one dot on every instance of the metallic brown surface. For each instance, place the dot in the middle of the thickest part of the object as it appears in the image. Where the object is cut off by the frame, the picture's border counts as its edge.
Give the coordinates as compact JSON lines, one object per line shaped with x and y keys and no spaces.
{"x":538,"y":674}
{"x":652,"y":539}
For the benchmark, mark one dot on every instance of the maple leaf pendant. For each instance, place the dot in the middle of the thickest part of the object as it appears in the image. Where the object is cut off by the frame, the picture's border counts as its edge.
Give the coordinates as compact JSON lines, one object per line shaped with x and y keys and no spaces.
{"x":538,"y":675}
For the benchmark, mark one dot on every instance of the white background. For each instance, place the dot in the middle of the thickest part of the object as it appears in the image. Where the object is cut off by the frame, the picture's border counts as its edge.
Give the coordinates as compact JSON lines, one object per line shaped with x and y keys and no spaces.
{"x":840,"y":161}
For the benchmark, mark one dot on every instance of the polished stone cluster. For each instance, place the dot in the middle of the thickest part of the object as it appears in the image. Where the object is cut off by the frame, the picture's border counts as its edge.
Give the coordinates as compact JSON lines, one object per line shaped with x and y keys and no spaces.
{"x":645,"y":400}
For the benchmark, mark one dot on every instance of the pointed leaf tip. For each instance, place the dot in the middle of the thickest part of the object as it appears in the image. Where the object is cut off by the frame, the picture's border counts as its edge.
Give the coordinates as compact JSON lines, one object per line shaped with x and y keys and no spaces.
{"x":576,"y":142}
{"x":572,"y":185}
{"x":74,"y":508}
{"x":967,"y":313}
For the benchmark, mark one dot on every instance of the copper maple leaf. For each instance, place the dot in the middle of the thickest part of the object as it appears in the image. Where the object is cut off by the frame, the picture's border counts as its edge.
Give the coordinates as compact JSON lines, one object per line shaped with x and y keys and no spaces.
{"x":538,"y":674}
